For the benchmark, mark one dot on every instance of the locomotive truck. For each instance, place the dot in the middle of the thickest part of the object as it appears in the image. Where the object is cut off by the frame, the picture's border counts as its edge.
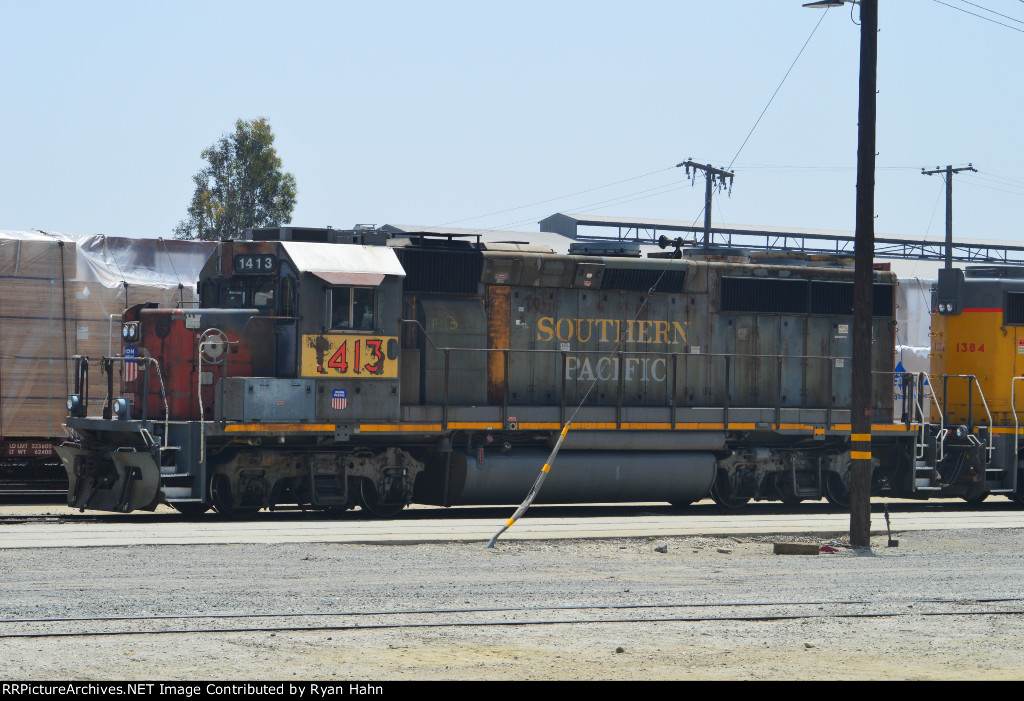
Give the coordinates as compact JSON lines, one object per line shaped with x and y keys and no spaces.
{"x":337,"y":369}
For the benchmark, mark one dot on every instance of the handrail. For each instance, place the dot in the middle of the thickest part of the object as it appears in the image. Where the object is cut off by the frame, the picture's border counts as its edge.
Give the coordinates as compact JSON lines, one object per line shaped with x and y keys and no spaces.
{"x":916,"y":398}
{"x":1016,"y":423}
{"x":163,"y":389}
{"x":970,"y":416}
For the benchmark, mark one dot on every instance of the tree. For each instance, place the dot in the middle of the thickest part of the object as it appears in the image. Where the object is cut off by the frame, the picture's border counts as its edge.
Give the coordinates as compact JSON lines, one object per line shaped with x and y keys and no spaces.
{"x":242,"y":187}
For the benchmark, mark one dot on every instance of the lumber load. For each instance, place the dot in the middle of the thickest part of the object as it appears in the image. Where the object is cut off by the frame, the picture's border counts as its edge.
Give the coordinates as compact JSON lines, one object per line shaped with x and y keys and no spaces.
{"x":37,"y":334}
{"x":62,"y":296}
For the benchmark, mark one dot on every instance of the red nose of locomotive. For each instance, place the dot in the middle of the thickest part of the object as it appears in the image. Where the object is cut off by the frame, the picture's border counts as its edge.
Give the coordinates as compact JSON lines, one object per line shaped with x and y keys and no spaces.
{"x":180,"y":355}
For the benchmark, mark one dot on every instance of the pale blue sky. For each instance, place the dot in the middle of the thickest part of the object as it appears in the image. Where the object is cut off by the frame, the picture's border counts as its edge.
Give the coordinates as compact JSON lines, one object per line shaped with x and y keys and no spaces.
{"x":440,"y":112}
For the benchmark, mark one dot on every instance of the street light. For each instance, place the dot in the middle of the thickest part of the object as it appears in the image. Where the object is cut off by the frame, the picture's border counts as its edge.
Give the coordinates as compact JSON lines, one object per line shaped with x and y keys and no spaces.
{"x":863,"y":258}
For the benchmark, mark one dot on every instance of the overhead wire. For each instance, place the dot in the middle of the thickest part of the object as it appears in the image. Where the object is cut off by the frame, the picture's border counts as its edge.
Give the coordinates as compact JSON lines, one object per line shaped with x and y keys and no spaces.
{"x":998,"y":14}
{"x":781,"y":83}
{"x":975,"y":14}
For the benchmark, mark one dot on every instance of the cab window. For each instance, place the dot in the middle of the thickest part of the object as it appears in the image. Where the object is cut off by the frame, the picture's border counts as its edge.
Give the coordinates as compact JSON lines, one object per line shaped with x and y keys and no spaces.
{"x":351,"y":308}
{"x":241,"y":292}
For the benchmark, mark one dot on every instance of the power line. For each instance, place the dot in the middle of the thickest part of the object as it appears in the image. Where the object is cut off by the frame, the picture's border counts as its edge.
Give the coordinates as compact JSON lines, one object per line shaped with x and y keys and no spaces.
{"x":758,"y":121}
{"x":975,"y":14}
{"x":998,"y":14}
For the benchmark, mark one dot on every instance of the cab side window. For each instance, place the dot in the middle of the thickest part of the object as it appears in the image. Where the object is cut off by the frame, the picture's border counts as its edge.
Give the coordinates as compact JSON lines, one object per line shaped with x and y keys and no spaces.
{"x":351,"y":308}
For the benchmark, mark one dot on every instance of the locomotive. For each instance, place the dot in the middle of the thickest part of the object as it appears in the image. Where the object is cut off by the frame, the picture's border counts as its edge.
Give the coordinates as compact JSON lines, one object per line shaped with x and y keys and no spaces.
{"x":328,"y":369}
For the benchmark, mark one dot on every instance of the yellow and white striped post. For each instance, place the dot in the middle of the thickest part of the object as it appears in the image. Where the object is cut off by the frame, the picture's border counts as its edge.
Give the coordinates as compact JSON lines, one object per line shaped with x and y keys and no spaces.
{"x":533,"y":490}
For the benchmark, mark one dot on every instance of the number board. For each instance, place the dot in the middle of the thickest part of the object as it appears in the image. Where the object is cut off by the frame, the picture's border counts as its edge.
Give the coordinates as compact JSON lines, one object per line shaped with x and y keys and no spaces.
{"x":255,"y":263}
{"x":348,"y":355}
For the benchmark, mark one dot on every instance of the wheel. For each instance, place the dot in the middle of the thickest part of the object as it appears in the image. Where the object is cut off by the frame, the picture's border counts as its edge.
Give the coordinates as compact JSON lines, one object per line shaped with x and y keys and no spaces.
{"x":792,"y":501}
{"x":220,"y":495}
{"x":721,"y":493}
{"x":975,"y":498}
{"x":190,"y":508}
{"x":837,"y":491}
{"x":371,"y":502}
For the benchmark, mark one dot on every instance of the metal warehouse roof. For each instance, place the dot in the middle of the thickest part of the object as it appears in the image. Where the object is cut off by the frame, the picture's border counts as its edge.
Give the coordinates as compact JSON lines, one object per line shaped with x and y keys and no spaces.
{"x":782,"y":238}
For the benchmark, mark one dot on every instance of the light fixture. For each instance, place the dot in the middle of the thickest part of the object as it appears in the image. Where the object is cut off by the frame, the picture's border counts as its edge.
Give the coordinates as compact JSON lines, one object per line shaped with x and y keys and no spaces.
{"x":75,"y":406}
{"x":122,"y":408}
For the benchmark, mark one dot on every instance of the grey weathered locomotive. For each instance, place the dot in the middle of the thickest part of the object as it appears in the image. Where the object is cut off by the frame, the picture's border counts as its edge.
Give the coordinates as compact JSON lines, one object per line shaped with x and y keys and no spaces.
{"x":338,"y":371}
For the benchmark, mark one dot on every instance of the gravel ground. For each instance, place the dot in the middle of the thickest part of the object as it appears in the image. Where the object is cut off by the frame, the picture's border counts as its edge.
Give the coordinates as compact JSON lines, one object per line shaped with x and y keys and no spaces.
{"x":821,"y":644}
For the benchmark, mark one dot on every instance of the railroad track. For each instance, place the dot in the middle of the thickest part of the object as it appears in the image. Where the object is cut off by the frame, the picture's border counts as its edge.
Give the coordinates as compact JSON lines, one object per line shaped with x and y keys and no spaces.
{"x":520,"y":616}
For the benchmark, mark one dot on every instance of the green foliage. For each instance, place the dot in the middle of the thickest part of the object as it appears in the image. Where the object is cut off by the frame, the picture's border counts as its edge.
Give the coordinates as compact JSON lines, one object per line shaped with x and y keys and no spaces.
{"x":242,"y":187}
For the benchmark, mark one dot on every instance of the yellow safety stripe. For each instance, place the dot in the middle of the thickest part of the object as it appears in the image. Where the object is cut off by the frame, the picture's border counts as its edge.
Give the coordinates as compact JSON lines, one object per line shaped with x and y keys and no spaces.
{"x":860,"y":437}
{"x":860,"y":454}
{"x":304,"y":428}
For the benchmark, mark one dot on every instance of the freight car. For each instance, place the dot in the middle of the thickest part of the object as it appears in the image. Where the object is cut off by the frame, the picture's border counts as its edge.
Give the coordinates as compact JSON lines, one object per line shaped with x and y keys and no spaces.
{"x":62,"y":294}
{"x":352,"y":369}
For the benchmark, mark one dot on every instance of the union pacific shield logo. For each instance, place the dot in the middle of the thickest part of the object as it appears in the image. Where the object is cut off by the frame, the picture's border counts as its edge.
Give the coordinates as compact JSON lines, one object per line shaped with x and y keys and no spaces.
{"x":339,"y":399}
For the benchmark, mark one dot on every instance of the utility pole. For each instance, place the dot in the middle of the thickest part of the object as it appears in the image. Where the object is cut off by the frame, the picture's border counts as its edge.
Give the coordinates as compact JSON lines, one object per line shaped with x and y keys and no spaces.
{"x":863,"y":260}
{"x":714,"y":177}
{"x":949,"y":171}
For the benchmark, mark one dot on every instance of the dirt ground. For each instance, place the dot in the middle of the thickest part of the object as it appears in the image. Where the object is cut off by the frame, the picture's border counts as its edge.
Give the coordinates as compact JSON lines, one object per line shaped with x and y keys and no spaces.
{"x":797,"y":616}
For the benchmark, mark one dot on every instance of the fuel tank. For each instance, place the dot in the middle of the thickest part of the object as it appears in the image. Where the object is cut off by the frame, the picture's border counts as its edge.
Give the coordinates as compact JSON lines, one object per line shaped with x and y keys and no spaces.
{"x":578,"y":476}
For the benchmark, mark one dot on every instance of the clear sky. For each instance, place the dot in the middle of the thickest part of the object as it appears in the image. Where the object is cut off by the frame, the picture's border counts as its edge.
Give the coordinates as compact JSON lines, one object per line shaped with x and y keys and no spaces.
{"x":480,"y":114}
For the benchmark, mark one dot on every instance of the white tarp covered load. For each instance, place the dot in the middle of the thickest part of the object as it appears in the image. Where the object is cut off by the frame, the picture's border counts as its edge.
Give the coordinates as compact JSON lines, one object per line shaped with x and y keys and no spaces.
{"x":913,"y":339}
{"x":57,"y":295}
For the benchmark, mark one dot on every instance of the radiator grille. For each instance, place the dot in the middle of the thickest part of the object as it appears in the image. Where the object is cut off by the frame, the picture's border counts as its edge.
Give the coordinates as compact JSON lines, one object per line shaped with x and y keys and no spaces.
{"x":1014,"y":312}
{"x":764,"y":295}
{"x":775,"y":296}
{"x":639,"y":280}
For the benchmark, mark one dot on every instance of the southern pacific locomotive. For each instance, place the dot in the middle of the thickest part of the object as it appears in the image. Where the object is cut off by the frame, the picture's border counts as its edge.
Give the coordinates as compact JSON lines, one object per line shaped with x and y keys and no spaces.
{"x":326,"y":373}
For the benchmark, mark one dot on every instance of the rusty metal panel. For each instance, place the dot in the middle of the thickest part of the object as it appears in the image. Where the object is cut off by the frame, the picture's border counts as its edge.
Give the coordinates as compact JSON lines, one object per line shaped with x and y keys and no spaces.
{"x":588,"y":275}
{"x":533,"y":376}
{"x":792,"y":337}
{"x":555,"y":271}
{"x":766,"y":391}
{"x":502,"y":269}
{"x":693,"y":371}
{"x":498,"y":321}
{"x":841,"y":345}
{"x":883,"y":352}
{"x":410,"y":374}
{"x":817,"y":372}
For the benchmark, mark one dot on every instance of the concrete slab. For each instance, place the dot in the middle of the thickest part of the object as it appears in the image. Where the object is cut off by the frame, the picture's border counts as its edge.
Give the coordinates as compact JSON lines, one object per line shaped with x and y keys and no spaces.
{"x":154,"y":530}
